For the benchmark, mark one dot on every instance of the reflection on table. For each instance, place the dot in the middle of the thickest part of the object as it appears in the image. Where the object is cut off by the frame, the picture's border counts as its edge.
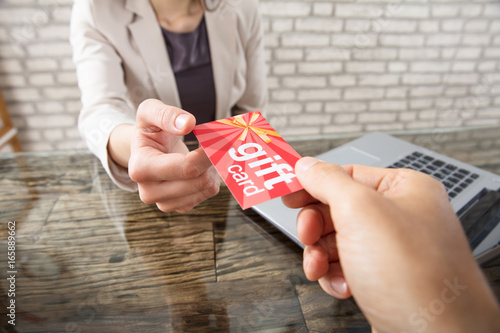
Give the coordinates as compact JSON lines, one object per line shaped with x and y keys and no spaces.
{"x":93,"y":258}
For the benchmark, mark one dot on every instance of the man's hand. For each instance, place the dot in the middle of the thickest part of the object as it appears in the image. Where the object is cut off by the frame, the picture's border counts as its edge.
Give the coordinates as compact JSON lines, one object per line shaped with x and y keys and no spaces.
{"x":391,"y":239}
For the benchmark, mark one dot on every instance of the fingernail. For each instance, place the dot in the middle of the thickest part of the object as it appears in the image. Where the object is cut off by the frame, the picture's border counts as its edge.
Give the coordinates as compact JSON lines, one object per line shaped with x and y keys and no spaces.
{"x":181,"y":121}
{"x":305,"y":164}
{"x":339,"y":284}
{"x":307,"y":262}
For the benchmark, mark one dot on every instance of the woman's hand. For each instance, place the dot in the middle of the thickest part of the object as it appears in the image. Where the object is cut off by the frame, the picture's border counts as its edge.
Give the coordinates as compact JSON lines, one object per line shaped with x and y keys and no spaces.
{"x":160,"y":163}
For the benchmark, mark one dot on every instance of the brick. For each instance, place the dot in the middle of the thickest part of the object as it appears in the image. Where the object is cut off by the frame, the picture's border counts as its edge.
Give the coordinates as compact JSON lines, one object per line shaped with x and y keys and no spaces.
{"x":443,"y":39}
{"x":314,"y":107}
{"x":271,"y":40}
{"x":419,"y":79}
{"x":464,"y":66}
{"x":487,"y":66}
{"x":272,"y":82}
{"x":456,"y":91}
{"x":345,"y":118}
{"x":358,"y":10}
{"x":61,"y":14}
{"x":299,"y":131}
{"x":443,"y":102}
{"x":492,"y":52}
{"x":398,"y":92}
{"x":378,"y":80}
{"x":420,"y":125}
{"x":335,"y":129}
{"x":377,"y":117}
{"x":326,"y":54}
{"x":21,"y":95}
{"x":303,"y":39}
{"x":342,"y":80}
{"x":461,"y":78}
{"x":375,"y":54}
{"x":476,"y":39}
{"x":289,"y":54}
{"x":41,"y":65}
{"x":355,"y":40}
{"x":384,"y":127}
{"x":50,"y":49}
{"x":468,"y":53}
{"x":11,"y":50}
{"x":363,"y":93}
{"x":73,"y":106}
{"x":282,"y":25}
{"x":283,"y":95}
{"x":68,"y":78}
{"x":445,"y":10}
{"x":319,"y":67}
{"x":61,"y":93}
{"x":11,"y":81}
{"x":22,"y":15}
{"x":335,"y":107}
{"x":394,"y":26}
{"x":428,"y":26}
{"x":54,"y":134}
{"x":319,"y":94}
{"x":308,"y":120}
{"x":470,"y":10}
{"x":50,"y":107}
{"x":44,"y":79}
{"x":53,"y":32}
{"x":353,"y":25}
{"x":285,"y":8}
{"x":304,"y":82}
{"x":492,"y":10}
{"x":428,"y":114}
{"x":10,"y":66}
{"x":51,"y":121}
{"x":476,"y":26}
{"x":430,"y":66}
{"x":318,"y":25}
{"x":397,"y":66}
{"x":408,"y":11}
{"x":407,"y":116}
{"x":421,"y":103}
{"x":21,"y":109}
{"x":322,"y":9}
{"x":365,"y":67}
{"x":388,"y":105}
{"x":420,"y":91}
{"x":419,"y":53}
{"x":284,"y":109}
{"x":454,"y":25}
{"x":284,"y":69}
{"x":401,"y":40}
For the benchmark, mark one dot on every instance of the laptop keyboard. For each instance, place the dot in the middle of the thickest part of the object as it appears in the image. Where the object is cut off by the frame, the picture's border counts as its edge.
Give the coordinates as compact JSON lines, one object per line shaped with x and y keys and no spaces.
{"x":455,"y":179}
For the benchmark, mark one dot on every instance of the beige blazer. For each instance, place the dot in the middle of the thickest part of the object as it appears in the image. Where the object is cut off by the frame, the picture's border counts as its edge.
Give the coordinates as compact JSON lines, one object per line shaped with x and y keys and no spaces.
{"x":121,"y":60}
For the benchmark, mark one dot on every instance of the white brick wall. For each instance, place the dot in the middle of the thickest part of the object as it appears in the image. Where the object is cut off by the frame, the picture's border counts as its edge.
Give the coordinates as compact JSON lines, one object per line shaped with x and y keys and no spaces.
{"x":333,"y":67}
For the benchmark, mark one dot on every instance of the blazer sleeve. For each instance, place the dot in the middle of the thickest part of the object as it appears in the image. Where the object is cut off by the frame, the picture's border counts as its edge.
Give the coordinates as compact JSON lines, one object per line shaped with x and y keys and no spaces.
{"x":255,"y":95}
{"x":104,"y":93}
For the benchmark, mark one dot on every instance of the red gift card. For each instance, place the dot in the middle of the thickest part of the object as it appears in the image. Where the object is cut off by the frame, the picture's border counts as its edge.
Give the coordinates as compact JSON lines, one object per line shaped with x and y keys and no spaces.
{"x":255,"y":162}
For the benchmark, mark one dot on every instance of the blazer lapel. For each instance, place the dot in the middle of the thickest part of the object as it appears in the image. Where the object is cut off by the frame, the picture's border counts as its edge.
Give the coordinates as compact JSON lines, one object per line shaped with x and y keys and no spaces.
{"x":146,"y":33}
{"x":221,"y":27}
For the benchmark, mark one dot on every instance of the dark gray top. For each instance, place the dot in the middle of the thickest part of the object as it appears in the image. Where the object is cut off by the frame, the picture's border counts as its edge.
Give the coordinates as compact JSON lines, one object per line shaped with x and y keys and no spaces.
{"x":189,"y":55}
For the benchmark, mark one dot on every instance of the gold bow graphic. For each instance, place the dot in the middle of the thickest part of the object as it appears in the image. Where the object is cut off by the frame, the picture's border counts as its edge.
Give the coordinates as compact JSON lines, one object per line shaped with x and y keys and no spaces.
{"x":238,"y":121}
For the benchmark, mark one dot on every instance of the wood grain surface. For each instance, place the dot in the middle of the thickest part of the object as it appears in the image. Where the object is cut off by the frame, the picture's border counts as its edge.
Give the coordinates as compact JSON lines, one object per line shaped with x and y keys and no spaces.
{"x":93,"y":258}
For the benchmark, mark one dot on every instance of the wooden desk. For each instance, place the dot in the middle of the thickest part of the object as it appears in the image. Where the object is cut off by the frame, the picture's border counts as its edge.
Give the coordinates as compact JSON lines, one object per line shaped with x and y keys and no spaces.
{"x":93,"y":258}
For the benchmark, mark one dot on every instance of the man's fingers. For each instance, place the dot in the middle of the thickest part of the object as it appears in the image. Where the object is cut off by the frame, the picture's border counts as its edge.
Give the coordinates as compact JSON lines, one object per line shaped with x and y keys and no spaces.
{"x":313,"y":222}
{"x":153,"y":116}
{"x":154,"y":166}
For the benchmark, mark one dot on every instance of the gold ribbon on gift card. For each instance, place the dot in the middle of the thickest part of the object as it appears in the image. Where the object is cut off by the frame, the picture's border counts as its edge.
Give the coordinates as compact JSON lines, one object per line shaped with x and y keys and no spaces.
{"x":238,"y":121}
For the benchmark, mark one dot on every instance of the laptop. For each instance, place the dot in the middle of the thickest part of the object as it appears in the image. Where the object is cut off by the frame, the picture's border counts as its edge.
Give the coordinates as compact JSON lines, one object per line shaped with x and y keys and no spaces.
{"x":473,"y":193}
